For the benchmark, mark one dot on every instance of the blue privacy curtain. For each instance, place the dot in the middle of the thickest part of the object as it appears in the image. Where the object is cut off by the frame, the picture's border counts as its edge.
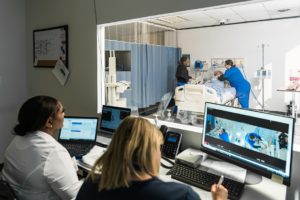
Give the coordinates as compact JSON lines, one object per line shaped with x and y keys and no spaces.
{"x":152,"y":74}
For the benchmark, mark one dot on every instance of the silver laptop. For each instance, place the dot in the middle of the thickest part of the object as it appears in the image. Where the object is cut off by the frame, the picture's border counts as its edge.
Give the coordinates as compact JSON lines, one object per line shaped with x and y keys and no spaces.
{"x":78,"y":134}
{"x":111,"y":118}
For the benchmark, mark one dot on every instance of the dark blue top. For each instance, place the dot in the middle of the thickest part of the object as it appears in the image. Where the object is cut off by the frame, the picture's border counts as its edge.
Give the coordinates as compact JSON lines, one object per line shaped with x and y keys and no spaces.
{"x":152,"y":189}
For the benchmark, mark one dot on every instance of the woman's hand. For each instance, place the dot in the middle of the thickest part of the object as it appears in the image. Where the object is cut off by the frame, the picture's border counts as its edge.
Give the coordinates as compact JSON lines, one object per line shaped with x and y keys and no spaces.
{"x":219,"y":192}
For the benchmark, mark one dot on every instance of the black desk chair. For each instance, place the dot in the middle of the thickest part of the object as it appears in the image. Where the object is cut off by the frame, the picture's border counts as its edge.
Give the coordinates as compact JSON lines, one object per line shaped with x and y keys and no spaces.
{"x":6,"y":192}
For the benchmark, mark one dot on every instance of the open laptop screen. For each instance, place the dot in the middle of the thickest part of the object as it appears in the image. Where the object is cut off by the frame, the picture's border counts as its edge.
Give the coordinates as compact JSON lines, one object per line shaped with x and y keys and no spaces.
{"x":112,"y":117}
{"x":79,"y":128}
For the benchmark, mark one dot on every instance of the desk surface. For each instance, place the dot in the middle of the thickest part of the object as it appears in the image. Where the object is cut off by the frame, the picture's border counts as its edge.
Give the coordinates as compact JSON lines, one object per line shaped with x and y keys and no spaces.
{"x":287,"y":90}
{"x":265,"y":190}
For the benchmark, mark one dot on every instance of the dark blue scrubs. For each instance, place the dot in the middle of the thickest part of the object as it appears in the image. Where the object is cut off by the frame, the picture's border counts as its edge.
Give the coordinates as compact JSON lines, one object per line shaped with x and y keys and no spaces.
{"x":241,"y":85}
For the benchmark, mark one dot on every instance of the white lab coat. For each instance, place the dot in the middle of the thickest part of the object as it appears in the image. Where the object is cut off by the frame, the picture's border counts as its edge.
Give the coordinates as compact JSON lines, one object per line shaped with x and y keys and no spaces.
{"x":38,"y":167}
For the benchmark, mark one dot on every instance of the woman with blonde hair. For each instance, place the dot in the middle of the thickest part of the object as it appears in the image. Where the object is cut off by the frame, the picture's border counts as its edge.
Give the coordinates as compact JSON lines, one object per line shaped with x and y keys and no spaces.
{"x":130,"y":166}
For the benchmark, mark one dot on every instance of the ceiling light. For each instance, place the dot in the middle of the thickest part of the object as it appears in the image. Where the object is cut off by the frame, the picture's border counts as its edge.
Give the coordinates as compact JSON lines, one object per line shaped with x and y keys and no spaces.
{"x":172,"y":19}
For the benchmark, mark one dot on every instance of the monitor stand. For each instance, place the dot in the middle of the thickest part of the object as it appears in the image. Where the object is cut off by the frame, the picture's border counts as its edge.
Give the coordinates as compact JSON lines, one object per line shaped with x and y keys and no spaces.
{"x":252,"y":178}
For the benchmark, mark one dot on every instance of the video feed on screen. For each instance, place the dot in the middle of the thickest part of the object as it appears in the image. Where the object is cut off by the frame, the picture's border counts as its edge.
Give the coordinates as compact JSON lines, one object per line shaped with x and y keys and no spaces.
{"x":260,"y":141}
{"x":263,"y":140}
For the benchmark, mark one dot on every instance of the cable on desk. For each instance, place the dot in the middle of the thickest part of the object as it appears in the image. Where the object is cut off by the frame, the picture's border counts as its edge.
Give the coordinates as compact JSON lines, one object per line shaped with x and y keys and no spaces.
{"x":101,"y":144}
{"x":169,"y":161}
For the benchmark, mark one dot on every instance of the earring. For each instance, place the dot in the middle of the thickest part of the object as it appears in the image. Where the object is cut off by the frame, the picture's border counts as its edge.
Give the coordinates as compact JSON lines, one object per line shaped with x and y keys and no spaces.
{"x":50,"y":125}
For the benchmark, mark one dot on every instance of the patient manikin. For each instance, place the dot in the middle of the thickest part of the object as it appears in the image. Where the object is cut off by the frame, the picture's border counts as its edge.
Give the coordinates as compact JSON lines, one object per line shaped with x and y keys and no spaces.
{"x":223,"y":89}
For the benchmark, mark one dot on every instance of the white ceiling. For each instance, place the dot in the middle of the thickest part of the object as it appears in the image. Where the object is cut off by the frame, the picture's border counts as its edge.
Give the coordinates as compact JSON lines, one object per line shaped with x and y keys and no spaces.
{"x":241,"y":13}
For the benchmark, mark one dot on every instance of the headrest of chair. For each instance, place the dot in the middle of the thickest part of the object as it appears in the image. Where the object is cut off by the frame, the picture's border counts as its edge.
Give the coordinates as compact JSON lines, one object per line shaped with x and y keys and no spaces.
{"x":6,"y":192}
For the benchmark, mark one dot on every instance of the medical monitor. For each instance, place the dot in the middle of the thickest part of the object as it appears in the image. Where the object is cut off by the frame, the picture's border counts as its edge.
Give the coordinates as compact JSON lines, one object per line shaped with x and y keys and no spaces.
{"x":123,"y":60}
{"x":260,"y":142}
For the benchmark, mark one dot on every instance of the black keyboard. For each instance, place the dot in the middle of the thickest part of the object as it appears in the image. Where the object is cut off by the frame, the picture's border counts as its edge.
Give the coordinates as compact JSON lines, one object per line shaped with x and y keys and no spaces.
{"x":204,"y":180}
{"x":78,"y":150}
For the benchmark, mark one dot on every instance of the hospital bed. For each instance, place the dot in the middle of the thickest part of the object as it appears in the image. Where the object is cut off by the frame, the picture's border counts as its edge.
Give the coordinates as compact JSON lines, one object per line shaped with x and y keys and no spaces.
{"x":191,"y":97}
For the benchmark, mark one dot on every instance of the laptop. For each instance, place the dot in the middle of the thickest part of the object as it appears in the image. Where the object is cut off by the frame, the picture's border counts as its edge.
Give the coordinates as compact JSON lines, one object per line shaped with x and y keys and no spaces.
{"x":78,"y":134}
{"x":111,"y":118}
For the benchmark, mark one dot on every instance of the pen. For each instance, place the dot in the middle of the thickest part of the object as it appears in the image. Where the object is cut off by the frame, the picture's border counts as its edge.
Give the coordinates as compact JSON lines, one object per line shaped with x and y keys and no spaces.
{"x":220,"y":180}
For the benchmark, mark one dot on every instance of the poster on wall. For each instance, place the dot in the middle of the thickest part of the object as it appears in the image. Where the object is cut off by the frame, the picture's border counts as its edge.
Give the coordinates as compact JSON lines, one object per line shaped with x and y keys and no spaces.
{"x":49,"y":46}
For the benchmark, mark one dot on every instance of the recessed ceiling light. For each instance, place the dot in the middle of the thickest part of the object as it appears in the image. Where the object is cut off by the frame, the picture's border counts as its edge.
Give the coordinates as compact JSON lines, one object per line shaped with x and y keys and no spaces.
{"x":172,"y":19}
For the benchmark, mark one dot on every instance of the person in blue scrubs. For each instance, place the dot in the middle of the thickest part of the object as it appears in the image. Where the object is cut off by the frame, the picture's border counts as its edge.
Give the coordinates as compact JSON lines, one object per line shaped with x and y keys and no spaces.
{"x":253,"y":139}
{"x":236,"y":80}
{"x":224,"y":135}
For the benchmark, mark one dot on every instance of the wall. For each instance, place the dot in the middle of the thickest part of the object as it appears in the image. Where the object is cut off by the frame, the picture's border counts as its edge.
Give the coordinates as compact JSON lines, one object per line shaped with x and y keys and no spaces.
{"x":13,"y":78}
{"x":282,"y":47}
{"x":79,"y":95}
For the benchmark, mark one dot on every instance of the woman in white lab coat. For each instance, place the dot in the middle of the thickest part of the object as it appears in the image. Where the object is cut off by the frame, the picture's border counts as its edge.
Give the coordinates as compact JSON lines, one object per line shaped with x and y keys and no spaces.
{"x":35,"y":164}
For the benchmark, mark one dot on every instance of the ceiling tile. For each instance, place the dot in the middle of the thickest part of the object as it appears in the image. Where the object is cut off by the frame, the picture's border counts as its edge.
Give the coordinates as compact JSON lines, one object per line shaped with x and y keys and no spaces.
{"x":251,"y":12}
{"x":262,"y":10}
{"x":200,"y":18}
{"x":281,"y":4}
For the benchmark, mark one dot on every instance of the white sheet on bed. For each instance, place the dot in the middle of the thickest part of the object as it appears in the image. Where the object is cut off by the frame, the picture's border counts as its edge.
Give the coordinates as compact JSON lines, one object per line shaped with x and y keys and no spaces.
{"x":224,"y":94}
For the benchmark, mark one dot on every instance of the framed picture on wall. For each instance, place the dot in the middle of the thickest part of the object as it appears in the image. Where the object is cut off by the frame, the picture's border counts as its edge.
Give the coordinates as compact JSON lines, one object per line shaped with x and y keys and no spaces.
{"x":50,"y":45}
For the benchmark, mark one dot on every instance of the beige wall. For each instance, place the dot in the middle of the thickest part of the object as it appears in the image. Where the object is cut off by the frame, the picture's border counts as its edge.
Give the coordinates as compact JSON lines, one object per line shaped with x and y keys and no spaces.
{"x":79,"y":95}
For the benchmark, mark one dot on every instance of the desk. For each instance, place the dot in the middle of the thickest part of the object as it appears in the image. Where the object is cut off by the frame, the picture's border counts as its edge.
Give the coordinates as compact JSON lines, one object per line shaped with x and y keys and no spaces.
{"x":265,"y":190}
{"x":294,"y":108}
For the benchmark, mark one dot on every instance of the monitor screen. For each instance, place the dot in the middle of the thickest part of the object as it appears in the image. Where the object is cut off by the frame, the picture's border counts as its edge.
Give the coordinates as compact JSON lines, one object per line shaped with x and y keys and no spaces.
{"x":123,"y":60}
{"x":260,"y":142}
{"x":112,"y":117}
{"x":79,"y":128}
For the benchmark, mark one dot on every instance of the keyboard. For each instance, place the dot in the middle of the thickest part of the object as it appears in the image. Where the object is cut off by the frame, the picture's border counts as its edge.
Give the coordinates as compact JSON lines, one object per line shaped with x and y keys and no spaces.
{"x":204,"y":180}
{"x":78,"y":150}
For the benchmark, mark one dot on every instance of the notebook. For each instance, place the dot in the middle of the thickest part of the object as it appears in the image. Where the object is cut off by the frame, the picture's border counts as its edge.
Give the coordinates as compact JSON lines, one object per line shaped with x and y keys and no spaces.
{"x":111,"y":118}
{"x":78,"y":134}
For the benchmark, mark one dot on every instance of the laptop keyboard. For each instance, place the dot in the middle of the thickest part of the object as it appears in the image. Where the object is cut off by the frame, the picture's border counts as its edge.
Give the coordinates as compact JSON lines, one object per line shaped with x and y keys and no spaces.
{"x":78,"y":150}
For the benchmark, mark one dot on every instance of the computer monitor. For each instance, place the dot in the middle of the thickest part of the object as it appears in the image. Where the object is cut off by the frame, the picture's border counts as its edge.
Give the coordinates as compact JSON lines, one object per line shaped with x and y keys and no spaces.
{"x":260,"y":142}
{"x":112,"y":117}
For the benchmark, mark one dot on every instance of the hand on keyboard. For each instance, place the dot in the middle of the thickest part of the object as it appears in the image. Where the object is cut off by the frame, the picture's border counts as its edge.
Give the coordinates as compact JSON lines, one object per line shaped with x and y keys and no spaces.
{"x":205,"y":180}
{"x":219,"y":192}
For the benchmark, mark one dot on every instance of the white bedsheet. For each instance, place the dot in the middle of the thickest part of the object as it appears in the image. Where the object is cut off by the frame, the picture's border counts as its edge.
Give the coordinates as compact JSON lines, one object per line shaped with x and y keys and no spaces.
{"x":224,"y":93}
